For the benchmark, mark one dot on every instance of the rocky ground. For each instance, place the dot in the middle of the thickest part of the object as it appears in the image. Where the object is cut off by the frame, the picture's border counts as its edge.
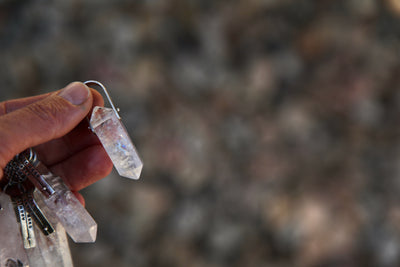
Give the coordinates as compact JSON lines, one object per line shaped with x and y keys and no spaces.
{"x":269,"y":130}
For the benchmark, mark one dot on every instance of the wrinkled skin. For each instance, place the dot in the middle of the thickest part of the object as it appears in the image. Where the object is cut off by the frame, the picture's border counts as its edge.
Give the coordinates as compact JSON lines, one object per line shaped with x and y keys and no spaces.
{"x":58,"y":131}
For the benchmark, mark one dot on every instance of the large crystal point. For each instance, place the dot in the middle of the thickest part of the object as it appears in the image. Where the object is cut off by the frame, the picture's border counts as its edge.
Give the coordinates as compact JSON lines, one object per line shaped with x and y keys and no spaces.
{"x":11,"y":246}
{"x":116,"y":141}
{"x":51,"y":250}
{"x":63,"y":204}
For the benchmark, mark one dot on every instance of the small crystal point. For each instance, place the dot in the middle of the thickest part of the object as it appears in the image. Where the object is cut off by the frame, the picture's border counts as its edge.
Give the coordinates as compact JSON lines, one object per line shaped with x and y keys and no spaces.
{"x":115,"y":140}
{"x":87,"y":236}
{"x":134,"y":174}
{"x":92,"y":234}
{"x":73,"y":216}
{"x":63,"y":205}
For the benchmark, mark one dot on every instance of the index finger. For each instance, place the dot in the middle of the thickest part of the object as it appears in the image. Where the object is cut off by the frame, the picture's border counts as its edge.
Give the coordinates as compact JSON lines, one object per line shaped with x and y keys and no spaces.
{"x":14,"y":104}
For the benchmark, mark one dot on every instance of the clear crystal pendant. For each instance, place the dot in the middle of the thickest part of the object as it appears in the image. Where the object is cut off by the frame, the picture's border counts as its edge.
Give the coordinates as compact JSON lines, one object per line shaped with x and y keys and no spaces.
{"x":106,"y":124}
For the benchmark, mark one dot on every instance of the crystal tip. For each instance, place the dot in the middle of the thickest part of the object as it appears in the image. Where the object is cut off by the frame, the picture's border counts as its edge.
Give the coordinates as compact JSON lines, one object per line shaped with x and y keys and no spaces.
{"x":132,"y":174}
{"x":85,"y":236}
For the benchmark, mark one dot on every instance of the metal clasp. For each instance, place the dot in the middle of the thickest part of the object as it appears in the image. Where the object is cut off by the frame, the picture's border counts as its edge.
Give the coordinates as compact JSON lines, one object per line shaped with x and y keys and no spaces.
{"x":106,"y":93}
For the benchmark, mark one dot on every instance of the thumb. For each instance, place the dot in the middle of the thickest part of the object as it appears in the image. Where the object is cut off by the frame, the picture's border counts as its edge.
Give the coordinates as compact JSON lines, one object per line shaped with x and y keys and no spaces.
{"x":44,"y":120}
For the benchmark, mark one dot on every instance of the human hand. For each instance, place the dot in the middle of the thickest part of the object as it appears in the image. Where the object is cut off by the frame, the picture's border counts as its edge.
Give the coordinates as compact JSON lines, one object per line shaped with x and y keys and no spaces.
{"x":54,"y":125}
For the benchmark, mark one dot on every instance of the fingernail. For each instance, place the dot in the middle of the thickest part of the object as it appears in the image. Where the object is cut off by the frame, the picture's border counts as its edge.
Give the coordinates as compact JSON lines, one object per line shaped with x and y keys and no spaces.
{"x":77,"y":93}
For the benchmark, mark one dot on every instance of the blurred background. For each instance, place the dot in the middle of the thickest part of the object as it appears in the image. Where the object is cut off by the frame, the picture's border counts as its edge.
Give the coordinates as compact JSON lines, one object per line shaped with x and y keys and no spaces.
{"x":269,"y":129}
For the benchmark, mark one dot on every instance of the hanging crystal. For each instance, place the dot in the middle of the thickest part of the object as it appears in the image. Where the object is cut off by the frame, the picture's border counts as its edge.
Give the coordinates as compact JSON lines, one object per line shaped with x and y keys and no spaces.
{"x":106,"y":124}
{"x":115,"y":140}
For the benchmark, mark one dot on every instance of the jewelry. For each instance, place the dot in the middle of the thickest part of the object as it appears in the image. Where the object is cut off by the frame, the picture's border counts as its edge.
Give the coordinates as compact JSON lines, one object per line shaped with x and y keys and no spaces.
{"x":45,"y":208}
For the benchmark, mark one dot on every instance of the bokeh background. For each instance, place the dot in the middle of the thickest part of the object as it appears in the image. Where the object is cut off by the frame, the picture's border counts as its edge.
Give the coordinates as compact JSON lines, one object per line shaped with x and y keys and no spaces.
{"x":269,"y":129}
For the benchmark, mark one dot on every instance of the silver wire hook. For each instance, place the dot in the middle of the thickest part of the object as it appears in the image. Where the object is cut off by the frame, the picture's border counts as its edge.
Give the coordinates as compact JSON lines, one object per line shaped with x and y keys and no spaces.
{"x":106,"y":93}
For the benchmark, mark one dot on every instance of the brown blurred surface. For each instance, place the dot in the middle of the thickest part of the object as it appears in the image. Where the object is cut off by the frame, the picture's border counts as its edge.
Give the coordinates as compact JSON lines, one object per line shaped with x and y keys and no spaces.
{"x":269,"y":130}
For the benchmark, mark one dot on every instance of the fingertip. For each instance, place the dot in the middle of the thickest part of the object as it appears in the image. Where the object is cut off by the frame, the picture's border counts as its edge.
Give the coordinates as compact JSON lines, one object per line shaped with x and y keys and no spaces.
{"x":79,"y":197}
{"x":76,"y":93}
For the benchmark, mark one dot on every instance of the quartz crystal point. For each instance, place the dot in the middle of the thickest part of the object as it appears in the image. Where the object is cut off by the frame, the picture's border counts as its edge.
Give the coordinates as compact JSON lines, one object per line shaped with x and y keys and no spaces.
{"x":63,"y":205}
{"x":115,"y":140}
{"x":12,"y":252}
{"x":51,"y":250}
